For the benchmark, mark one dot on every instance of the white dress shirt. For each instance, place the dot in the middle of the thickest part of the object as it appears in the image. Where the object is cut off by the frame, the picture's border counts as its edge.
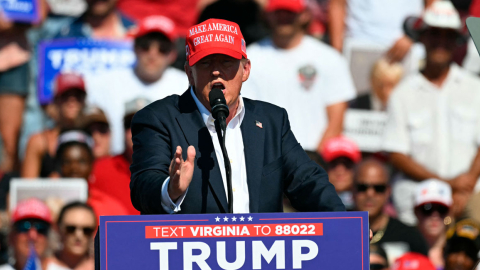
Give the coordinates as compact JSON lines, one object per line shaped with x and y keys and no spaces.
{"x":234,"y":145}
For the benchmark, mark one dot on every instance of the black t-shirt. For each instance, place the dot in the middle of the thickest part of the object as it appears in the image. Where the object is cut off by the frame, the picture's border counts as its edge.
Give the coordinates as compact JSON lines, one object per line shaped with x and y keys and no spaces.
{"x":399,"y":238}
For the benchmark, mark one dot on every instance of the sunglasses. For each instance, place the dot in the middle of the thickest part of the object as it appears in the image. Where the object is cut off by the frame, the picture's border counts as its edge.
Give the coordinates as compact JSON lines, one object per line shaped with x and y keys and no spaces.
{"x":377,"y":188}
{"x":101,"y":128}
{"x":26,"y":225}
{"x":348,"y":163}
{"x":377,"y":266}
{"x":429,"y":208}
{"x":79,"y":95}
{"x":163,"y":48}
{"x":87,"y":231}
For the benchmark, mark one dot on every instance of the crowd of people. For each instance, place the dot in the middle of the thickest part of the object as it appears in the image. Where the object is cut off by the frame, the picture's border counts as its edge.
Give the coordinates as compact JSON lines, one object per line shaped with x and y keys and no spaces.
{"x":421,"y":189}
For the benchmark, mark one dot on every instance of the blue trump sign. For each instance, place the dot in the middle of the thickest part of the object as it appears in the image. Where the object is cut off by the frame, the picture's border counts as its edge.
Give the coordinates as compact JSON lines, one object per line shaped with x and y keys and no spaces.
{"x":83,"y":56}
{"x":235,"y":241}
{"x":20,"y":10}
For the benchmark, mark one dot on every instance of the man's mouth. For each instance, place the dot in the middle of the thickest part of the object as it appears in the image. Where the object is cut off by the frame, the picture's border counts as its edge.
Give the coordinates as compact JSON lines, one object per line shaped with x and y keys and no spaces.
{"x":219,"y":85}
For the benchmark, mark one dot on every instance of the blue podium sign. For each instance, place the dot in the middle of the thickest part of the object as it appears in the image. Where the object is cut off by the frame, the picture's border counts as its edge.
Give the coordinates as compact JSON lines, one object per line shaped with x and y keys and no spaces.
{"x":337,"y":241}
{"x":26,"y":11}
{"x":84,"y":56}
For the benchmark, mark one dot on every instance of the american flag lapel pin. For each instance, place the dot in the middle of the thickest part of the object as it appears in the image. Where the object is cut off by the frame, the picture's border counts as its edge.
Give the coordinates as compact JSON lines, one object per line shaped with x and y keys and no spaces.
{"x":258,"y":124}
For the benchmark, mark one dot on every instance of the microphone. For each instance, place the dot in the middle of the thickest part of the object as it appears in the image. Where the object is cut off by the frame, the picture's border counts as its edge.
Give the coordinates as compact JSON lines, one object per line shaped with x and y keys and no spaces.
{"x":220,"y":113}
{"x":219,"y":107}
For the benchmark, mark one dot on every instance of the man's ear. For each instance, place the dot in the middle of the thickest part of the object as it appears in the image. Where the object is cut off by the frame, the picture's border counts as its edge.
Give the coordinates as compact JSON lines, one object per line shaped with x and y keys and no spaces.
{"x":172,"y":56}
{"x":189,"y":72}
{"x":247,"y":66}
{"x":305,"y":17}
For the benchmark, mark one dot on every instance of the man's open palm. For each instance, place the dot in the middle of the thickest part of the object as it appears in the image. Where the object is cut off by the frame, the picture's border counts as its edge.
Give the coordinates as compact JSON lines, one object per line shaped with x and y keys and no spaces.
{"x":181,"y":172}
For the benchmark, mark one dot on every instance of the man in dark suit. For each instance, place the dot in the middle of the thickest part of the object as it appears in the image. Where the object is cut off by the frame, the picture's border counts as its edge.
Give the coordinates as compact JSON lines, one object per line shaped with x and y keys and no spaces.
{"x":266,"y":159}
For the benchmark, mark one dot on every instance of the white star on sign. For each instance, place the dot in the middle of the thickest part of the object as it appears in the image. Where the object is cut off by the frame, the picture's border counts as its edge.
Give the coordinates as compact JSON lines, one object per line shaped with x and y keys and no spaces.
{"x":234,"y":219}
{"x":250,"y":218}
{"x":217,"y":219}
{"x":225,"y":219}
{"x":242,"y":218}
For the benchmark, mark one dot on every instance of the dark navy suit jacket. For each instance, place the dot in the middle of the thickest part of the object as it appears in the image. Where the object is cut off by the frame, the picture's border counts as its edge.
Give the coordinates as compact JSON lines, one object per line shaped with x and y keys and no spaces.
{"x":275,"y":161}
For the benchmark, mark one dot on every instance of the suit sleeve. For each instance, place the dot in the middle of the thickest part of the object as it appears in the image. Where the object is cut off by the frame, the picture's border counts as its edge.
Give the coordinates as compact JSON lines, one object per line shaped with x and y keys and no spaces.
{"x":151,"y":159}
{"x":306,"y":183}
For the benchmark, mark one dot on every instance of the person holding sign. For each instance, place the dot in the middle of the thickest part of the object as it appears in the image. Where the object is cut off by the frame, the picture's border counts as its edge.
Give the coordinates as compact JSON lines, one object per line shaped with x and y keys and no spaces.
{"x":178,"y":166}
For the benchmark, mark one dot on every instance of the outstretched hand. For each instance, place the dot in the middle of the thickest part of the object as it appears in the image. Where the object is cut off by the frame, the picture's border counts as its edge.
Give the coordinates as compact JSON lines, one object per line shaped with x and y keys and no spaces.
{"x":181,"y":172}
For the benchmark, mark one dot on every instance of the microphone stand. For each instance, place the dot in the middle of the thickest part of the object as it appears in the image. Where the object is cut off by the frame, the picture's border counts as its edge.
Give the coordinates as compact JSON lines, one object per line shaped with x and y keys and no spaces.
{"x":221,"y":133}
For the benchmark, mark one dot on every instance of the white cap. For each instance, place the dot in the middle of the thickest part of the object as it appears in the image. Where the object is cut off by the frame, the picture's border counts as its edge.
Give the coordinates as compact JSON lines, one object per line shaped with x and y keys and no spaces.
{"x":442,"y":14}
{"x":433,"y":191}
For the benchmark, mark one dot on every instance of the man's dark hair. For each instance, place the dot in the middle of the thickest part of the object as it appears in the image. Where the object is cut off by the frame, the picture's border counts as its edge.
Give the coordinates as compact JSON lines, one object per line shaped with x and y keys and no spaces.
{"x":75,"y":205}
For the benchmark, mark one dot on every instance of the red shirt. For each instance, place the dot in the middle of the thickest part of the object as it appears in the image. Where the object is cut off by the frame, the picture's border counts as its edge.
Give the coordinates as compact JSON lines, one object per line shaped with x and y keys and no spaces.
{"x":475,"y":8}
{"x":111,"y":175}
{"x":184,"y":13}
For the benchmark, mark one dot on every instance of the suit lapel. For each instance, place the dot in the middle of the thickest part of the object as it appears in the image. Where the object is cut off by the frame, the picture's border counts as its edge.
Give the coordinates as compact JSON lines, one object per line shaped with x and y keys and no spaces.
{"x":196,"y":133}
{"x":253,"y":142}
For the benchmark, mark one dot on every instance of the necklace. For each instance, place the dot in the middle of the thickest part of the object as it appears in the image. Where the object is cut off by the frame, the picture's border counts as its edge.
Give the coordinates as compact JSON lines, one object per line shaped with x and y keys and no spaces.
{"x":379,"y":234}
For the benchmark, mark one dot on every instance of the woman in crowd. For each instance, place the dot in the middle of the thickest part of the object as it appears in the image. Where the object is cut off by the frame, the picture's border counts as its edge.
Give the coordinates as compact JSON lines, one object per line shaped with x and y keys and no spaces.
{"x":75,"y":159}
{"x":74,"y":154}
{"x":68,"y":103}
{"x":76,"y":226}
{"x":433,"y":200}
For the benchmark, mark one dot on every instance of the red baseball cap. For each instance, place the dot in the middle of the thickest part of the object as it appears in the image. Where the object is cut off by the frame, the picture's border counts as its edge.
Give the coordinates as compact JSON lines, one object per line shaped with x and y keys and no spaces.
{"x":160,"y":24}
{"x":341,"y":147}
{"x":413,"y":261}
{"x":290,"y":5}
{"x":32,"y":208}
{"x":214,"y":36}
{"x":67,"y":81}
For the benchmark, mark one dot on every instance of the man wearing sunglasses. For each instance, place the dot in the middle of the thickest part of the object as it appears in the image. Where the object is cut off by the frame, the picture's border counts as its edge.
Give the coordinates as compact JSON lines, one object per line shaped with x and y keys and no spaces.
{"x":433,"y":199}
{"x":31,"y":224}
{"x":96,"y":124}
{"x":371,"y":193}
{"x":151,"y":77}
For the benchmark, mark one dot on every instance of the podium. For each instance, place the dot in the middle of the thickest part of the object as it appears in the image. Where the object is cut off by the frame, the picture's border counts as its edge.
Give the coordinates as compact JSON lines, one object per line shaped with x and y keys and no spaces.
{"x":333,"y":241}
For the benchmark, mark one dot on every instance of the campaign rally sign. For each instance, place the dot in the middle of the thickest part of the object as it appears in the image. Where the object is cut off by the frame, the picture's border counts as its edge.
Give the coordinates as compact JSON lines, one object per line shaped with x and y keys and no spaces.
{"x":26,"y":11}
{"x":337,"y":241}
{"x":84,"y":56}
{"x":365,"y":128}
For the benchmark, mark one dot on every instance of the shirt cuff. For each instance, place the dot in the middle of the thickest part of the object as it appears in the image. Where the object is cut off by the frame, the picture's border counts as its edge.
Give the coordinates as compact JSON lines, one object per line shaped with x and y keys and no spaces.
{"x":168,"y":205}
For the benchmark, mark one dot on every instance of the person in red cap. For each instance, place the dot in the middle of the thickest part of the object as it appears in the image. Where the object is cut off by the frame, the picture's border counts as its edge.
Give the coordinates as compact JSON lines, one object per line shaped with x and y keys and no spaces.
{"x":151,"y":77}
{"x":178,"y":166}
{"x":31,"y":225}
{"x":341,"y":154}
{"x":308,"y":78}
{"x":68,"y":104}
{"x":371,"y":192}
{"x":413,"y":261}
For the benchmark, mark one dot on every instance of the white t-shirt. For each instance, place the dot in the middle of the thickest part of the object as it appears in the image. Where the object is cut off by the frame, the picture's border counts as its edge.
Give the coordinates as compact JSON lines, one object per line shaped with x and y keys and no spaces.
{"x":438,"y":127}
{"x":304,"y":81}
{"x":379,"y":21}
{"x":111,"y":90}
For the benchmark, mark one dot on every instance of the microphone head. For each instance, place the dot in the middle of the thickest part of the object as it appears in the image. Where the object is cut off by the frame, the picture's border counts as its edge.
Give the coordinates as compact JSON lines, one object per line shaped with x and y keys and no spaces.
{"x":218,"y":103}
